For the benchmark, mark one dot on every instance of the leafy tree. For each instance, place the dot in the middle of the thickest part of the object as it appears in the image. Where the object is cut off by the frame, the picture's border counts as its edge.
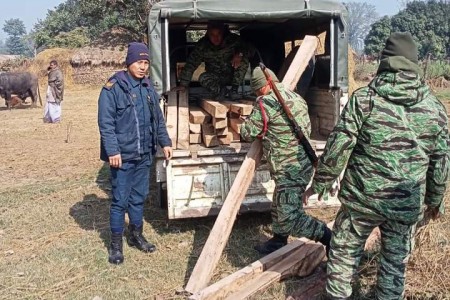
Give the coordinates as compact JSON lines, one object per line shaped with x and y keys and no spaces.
{"x":95,"y":17}
{"x":16,"y":43}
{"x":377,"y":36}
{"x":426,"y":21}
{"x":361,"y":16}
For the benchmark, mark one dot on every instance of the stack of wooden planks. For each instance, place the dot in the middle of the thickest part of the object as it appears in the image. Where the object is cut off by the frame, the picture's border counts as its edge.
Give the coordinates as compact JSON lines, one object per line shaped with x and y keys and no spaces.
{"x":211,"y":124}
{"x":217,"y":122}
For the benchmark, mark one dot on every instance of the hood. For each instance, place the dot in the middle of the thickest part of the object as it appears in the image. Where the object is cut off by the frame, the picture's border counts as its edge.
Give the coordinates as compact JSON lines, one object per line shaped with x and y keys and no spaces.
{"x":403,"y":87}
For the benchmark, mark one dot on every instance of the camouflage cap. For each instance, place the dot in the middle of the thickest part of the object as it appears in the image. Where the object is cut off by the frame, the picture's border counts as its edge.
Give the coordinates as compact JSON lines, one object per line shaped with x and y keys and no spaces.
{"x":258,"y":79}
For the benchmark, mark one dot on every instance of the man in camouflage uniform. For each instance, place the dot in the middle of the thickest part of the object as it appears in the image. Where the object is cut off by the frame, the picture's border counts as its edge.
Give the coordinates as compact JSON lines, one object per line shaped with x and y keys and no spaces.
{"x":393,"y":137}
{"x":289,"y":165}
{"x":226,"y":61}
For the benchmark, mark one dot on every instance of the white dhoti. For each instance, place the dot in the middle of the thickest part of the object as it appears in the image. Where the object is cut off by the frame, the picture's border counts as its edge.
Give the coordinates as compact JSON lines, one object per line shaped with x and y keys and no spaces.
{"x":52,"y":109}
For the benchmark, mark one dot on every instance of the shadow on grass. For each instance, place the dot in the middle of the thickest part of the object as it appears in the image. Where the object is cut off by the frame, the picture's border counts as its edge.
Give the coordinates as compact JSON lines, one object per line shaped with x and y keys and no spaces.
{"x":239,"y":250}
{"x":92,"y":213}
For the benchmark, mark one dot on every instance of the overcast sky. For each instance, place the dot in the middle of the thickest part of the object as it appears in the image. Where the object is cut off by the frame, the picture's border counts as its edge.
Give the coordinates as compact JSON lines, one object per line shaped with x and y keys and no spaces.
{"x":30,"y":11}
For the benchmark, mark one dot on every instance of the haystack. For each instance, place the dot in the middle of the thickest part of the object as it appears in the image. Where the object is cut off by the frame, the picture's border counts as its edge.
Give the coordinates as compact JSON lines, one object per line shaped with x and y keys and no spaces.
{"x":95,"y":65}
{"x":40,"y":63}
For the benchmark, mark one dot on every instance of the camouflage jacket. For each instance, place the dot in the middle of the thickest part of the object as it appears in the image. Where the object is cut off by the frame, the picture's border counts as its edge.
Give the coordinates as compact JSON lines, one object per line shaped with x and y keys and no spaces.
{"x":217,"y":59}
{"x":288,"y":161}
{"x":394,"y":139}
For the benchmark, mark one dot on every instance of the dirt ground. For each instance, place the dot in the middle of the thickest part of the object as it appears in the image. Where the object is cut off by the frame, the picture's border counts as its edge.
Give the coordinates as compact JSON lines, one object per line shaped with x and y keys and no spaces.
{"x":54,"y":223}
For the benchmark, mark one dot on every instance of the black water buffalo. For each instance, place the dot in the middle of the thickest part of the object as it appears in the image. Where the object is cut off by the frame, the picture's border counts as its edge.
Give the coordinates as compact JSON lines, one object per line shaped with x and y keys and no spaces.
{"x":22,"y":84}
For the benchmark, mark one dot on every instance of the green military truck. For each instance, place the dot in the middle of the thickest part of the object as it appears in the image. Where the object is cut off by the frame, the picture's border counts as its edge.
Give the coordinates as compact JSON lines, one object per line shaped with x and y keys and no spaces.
{"x":196,"y":181}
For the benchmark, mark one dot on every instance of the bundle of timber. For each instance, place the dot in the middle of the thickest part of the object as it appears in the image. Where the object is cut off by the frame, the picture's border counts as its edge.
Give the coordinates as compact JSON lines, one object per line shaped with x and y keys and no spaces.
{"x":211,"y":123}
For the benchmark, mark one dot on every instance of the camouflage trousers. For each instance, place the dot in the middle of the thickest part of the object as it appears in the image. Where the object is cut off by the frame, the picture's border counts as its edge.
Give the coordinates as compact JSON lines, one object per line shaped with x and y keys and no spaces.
{"x":289,"y":217}
{"x":215,"y":82}
{"x":350,"y":231}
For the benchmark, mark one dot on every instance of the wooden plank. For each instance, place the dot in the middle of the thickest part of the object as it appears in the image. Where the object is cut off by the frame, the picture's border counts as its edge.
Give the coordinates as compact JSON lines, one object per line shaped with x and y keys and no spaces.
{"x":301,"y":262}
{"x":231,"y":283}
{"x":209,"y":136}
{"x":241,"y":108}
{"x":195,"y":138}
{"x":172,"y":117}
{"x":305,"y":52}
{"x":197,"y":115}
{"x":222,"y":131}
{"x":183,"y":121}
{"x":236,"y":136}
{"x":214,"y":108}
{"x":225,"y":139}
{"x":218,"y":237}
{"x":220,"y":122}
{"x":195,"y":128}
{"x":236,"y":124}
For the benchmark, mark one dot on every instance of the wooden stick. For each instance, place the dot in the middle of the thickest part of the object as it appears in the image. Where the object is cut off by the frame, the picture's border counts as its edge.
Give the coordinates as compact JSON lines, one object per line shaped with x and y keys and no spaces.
{"x":183,"y":121}
{"x":305,"y":52}
{"x":207,"y":262}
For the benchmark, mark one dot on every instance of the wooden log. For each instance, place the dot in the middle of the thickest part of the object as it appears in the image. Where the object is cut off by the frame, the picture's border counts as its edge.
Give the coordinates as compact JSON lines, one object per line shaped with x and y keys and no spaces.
{"x":297,"y":67}
{"x":183,"y":121}
{"x":218,"y":237}
{"x":195,"y":138}
{"x":214,"y":108}
{"x":236,"y":124}
{"x":220,"y":122}
{"x":241,"y":108}
{"x":195,"y":128}
{"x":172,"y":117}
{"x":198,"y":116}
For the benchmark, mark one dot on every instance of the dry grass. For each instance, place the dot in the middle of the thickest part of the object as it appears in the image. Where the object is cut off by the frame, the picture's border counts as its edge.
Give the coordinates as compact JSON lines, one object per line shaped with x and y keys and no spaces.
{"x":54,"y":222}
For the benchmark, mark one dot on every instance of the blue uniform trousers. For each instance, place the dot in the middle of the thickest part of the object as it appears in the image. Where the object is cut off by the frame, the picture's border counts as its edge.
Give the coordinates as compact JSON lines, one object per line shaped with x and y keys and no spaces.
{"x":130,"y":188}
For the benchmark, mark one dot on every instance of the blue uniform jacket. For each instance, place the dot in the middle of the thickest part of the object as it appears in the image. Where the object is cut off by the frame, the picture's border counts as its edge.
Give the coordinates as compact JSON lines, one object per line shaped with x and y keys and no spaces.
{"x":119,"y":123}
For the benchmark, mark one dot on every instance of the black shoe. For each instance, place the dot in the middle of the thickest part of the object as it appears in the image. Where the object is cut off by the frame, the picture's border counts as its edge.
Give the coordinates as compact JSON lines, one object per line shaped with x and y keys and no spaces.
{"x":326,"y":239}
{"x":116,"y":249}
{"x":275,"y":243}
{"x":136,"y":239}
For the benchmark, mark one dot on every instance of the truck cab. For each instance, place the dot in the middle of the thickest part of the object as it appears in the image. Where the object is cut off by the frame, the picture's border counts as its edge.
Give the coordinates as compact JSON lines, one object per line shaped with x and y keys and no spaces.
{"x":196,"y":181}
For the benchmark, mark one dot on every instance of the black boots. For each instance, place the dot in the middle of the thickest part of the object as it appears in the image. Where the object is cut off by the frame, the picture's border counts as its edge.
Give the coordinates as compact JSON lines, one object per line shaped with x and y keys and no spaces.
{"x":116,"y":249}
{"x":275,"y":243}
{"x":136,"y":239}
{"x":326,"y":239}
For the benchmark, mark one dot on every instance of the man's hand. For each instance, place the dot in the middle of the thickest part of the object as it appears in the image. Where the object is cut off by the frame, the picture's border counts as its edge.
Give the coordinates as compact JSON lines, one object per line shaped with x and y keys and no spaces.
{"x":236,"y":61}
{"x":179,"y":88}
{"x":168,"y":152}
{"x":115,"y":161}
{"x":308,"y":193}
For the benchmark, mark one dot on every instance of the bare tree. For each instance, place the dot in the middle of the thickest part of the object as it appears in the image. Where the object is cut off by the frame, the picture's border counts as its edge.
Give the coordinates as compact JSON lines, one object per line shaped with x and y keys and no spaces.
{"x":361,"y":16}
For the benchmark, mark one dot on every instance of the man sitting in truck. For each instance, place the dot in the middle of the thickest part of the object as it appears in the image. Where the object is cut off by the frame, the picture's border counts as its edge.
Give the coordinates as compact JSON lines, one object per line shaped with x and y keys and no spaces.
{"x":226,"y":59}
{"x":289,"y":164}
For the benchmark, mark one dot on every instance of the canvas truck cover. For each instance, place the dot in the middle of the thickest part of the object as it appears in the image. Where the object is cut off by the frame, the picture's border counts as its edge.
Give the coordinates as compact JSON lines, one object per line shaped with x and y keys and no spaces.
{"x":240,"y":11}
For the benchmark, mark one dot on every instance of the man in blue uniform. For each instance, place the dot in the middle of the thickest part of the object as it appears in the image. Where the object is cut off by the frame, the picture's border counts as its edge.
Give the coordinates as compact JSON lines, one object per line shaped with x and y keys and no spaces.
{"x":131,"y":126}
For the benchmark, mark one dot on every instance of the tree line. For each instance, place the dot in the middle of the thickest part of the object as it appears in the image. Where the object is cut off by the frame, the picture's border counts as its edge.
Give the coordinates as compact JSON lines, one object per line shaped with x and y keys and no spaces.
{"x":78,"y":23}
